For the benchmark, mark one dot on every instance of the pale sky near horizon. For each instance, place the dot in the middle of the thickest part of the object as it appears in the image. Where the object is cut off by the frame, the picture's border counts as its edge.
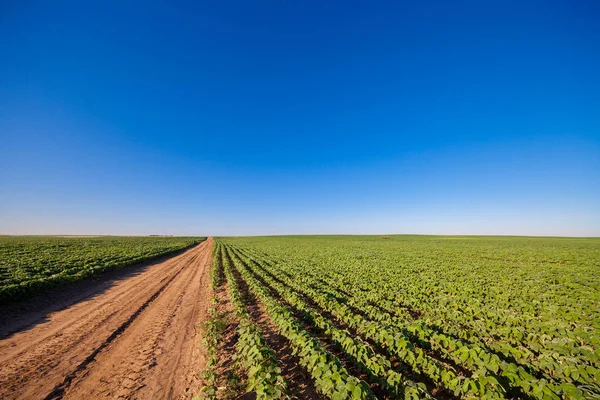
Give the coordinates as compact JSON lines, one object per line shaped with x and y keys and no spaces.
{"x":238,"y":118}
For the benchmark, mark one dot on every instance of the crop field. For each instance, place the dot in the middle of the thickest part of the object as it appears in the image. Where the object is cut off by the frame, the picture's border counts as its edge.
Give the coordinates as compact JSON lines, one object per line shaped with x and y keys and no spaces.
{"x":405,"y":317}
{"x":29,"y":264}
{"x":306,"y":317}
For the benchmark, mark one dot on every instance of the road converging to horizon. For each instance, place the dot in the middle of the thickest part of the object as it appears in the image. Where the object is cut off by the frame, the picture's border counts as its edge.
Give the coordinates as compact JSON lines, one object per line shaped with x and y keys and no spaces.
{"x":138,"y":337}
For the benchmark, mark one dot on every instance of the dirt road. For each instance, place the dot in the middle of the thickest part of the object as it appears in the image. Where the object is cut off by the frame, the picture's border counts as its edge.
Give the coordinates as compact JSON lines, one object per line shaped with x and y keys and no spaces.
{"x":136,"y":338}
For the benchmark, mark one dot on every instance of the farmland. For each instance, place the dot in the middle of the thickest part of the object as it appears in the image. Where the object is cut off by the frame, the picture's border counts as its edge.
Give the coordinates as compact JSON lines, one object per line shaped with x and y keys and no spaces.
{"x":308,"y":317}
{"x":31,"y":264}
{"x":125,"y":333}
{"x":405,"y":317}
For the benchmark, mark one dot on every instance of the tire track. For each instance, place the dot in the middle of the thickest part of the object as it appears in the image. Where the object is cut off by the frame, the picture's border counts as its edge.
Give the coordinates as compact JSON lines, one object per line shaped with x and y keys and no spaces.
{"x":141,"y":364}
{"x":73,"y":353}
{"x":60,"y":389}
{"x":79,"y":331}
{"x":104,"y":306}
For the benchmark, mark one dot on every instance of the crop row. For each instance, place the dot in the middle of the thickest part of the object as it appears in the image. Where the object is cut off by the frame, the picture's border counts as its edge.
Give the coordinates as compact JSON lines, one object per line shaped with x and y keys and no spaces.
{"x":388,"y":327}
{"x":489,"y":372}
{"x":254,"y":355}
{"x":399,"y":346}
{"x":378,"y":367}
{"x":212,"y":332}
{"x":330,"y":377}
{"x":29,"y":265}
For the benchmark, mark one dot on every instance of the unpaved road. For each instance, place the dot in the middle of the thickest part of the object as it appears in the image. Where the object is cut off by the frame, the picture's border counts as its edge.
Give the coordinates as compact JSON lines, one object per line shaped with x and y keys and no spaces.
{"x":136,"y":338}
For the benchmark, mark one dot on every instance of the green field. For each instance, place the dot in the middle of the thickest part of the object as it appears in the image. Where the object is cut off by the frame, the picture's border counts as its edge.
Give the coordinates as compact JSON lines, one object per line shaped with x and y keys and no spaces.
{"x":421,"y":316}
{"x":31,"y":264}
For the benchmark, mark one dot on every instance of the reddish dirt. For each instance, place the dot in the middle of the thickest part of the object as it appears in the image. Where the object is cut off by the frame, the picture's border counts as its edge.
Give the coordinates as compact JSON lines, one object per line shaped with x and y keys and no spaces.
{"x":137,"y":336}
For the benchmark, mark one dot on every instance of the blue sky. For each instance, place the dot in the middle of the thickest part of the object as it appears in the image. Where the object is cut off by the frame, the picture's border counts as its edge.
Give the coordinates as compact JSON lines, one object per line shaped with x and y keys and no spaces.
{"x":236,"y":118}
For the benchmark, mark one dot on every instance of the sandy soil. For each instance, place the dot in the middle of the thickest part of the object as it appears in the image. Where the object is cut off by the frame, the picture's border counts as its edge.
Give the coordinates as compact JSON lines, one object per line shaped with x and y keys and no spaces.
{"x":134,"y":336}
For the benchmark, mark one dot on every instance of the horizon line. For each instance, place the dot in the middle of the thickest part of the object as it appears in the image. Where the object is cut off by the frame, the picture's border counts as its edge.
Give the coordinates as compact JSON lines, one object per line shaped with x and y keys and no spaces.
{"x":300,"y":234}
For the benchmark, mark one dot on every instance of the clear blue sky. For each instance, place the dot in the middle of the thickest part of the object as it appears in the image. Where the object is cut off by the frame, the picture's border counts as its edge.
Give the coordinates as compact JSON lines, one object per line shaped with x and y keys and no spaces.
{"x":222,"y":117}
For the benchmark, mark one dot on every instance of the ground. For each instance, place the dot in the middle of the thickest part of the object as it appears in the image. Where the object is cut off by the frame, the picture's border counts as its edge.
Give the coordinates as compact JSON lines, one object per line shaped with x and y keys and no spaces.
{"x":133,"y":333}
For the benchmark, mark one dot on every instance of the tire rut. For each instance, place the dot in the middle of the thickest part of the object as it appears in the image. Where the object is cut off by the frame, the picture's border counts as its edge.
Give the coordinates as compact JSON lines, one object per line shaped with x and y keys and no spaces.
{"x":60,"y":389}
{"x":73,"y":354}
